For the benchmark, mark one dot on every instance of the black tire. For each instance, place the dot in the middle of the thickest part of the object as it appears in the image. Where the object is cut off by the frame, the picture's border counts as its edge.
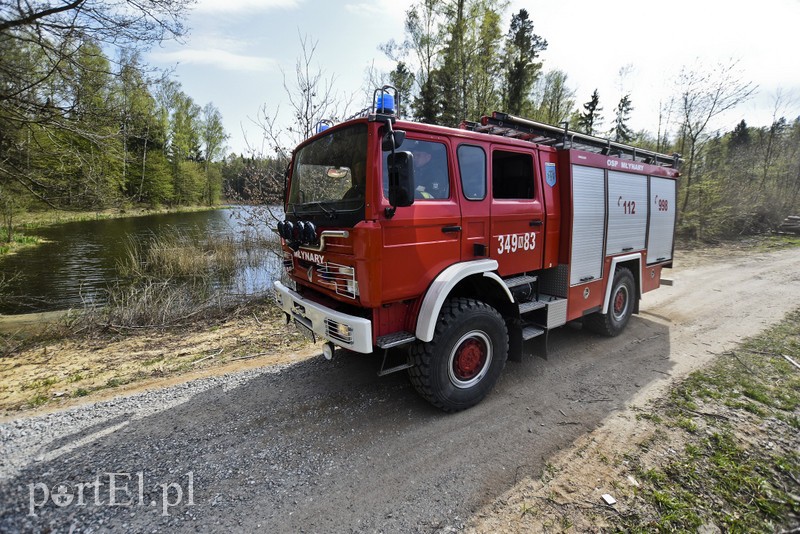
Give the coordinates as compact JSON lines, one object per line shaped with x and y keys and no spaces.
{"x":459,"y":367}
{"x":620,"y":306}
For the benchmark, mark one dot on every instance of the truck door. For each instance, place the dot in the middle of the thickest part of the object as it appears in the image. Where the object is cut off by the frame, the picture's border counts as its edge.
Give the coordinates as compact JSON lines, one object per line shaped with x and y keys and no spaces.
{"x":423,"y":239}
{"x":473,"y":171}
{"x":517,"y":217}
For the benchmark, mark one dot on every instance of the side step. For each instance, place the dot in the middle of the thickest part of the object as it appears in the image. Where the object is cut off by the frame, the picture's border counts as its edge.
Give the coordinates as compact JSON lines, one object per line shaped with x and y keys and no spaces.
{"x":395,"y":340}
{"x":520,"y":280}
{"x":530,"y":332}
{"x":389,"y":341}
{"x":531,"y":305}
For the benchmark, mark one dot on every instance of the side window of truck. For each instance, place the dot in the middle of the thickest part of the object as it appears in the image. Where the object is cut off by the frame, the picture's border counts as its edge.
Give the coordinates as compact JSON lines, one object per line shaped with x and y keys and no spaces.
{"x":431,"y":176}
{"x":512,"y":175}
{"x":472,"y":168}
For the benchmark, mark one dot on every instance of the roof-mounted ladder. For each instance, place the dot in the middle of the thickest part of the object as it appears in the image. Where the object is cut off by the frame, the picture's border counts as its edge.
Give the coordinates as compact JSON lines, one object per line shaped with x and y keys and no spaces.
{"x":545,"y":134}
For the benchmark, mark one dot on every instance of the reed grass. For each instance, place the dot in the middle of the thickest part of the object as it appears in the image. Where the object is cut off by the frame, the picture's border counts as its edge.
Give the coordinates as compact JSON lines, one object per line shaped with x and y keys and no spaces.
{"x":177,"y":254}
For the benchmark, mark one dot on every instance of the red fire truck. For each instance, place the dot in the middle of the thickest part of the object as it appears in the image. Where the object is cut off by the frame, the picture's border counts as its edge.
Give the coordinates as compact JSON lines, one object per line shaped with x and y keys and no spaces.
{"x":462,"y":244}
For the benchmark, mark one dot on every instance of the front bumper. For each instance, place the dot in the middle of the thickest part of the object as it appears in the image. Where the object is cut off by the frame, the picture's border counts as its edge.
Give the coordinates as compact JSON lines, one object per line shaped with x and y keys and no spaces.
{"x":348,"y":331}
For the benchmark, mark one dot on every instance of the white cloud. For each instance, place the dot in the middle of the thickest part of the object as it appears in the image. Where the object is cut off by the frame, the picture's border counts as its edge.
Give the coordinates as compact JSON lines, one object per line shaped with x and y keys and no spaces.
{"x":215,"y":57}
{"x":229,"y":6}
{"x":380,"y":9}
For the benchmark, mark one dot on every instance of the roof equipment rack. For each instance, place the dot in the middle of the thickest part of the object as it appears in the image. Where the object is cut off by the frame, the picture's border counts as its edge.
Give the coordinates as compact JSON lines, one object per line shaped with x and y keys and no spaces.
{"x":544,"y":134}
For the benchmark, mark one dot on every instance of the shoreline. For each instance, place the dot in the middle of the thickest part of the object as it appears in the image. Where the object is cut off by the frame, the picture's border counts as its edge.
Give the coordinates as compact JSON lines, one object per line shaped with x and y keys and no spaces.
{"x":29,"y":223}
{"x":31,"y":324}
{"x":45,"y":219}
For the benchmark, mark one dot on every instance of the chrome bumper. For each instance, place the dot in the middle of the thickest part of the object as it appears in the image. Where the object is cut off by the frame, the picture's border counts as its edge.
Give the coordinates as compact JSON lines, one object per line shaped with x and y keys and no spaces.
{"x":341,"y":329}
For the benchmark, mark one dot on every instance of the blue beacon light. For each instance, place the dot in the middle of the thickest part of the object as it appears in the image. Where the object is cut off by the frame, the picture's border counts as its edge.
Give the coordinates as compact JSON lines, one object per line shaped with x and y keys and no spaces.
{"x":385,"y":104}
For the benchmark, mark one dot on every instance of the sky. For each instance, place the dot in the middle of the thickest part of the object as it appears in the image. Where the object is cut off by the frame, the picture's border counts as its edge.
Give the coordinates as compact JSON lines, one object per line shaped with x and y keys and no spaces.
{"x":237,"y":52}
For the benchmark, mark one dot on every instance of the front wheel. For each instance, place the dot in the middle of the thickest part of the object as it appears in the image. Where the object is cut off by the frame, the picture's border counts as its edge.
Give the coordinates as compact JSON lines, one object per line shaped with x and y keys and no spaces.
{"x":459,"y":367}
{"x":620,"y":306}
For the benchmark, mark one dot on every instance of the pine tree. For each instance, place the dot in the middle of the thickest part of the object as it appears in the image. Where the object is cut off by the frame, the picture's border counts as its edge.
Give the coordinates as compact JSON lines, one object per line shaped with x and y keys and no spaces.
{"x":620,"y":131}
{"x":452,"y":76}
{"x":403,"y":80}
{"x":521,"y":50}
{"x":590,"y":119}
{"x":425,"y":40}
{"x":486,"y":64}
{"x":740,"y":137}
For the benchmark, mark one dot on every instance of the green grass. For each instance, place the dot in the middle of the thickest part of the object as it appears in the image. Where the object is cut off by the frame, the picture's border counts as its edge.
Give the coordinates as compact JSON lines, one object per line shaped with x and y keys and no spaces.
{"x":17,"y":242}
{"x":41,"y":383}
{"x":38,"y":400}
{"x":739,"y":461}
{"x":780,"y":242}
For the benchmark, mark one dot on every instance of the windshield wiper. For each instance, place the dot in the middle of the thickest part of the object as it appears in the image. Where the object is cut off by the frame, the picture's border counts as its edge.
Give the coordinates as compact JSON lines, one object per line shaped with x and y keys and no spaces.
{"x":330,"y":212}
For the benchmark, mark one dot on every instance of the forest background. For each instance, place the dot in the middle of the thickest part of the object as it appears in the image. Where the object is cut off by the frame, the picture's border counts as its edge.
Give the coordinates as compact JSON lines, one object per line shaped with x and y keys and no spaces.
{"x":85,"y":124}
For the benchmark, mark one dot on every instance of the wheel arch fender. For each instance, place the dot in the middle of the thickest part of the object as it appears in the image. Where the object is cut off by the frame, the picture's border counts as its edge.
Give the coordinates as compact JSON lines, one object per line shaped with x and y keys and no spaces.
{"x":445,"y":284}
{"x":632,"y":262}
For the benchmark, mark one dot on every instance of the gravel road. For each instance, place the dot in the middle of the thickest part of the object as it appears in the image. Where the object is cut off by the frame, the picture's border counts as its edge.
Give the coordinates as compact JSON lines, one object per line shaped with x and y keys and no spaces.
{"x":323,"y":446}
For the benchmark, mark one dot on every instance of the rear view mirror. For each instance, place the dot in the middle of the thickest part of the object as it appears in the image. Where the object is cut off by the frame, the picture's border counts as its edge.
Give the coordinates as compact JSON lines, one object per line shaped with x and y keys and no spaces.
{"x":392,"y":140}
{"x":336,"y":174}
{"x":401,"y":179}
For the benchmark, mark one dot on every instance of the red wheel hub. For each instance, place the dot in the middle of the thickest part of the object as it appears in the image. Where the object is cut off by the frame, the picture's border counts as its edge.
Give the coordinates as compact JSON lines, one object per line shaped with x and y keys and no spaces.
{"x":469,"y":360}
{"x":619,"y":302}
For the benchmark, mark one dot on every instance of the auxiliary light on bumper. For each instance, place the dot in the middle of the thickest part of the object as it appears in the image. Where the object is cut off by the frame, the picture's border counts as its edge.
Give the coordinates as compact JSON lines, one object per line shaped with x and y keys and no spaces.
{"x":348,"y":331}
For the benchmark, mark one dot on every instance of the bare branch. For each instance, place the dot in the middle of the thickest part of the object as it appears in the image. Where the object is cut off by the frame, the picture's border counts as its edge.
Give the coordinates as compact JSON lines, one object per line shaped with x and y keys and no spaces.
{"x":30,"y":16}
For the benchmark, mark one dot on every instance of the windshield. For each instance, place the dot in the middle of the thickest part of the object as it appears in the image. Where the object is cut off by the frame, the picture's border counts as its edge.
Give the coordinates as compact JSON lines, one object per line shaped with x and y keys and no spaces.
{"x":329,"y":175}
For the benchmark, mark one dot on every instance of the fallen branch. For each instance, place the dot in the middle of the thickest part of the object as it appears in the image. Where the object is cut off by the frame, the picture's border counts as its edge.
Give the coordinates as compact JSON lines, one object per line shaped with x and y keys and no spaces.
{"x":249,"y":357}
{"x":788,"y":359}
{"x":785,"y":357}
{"x":740,"y":361}
{"x":207,"y":357}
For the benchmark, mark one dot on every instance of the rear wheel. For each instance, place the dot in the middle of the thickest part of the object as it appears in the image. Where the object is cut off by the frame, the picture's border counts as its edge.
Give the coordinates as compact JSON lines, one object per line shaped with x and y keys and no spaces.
{"x":620,"y":306}
{"x":459,"y":367}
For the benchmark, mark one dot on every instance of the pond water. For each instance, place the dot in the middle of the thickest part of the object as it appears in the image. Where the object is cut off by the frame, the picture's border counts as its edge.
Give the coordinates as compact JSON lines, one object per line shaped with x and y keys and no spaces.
{"x":80,"y":260}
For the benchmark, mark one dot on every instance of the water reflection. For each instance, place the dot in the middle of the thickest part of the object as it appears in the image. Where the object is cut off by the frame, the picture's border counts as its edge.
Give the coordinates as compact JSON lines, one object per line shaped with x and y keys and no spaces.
{"x":80,"y":259}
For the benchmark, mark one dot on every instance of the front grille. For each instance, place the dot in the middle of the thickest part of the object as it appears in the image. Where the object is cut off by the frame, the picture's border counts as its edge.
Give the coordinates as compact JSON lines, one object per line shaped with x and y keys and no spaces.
{"x":340,"y":278}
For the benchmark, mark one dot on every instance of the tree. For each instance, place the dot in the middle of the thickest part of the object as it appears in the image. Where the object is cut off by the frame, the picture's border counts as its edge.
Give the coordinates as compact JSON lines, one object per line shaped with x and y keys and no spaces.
{"x":213,"y":137}
{"x":740,"y":136}
{"x":486,"y":65}
{"x":402,"y":79}
{"x":56,"y":140}
{"x":311,"y":97}
{"x":452,"y":76}
{"x":424,"y":39}
{"x":621,"y":132}
{"x":55,"y":33}
{"x":521,"y":69}
{"x":555,"y":99}
{"x":135,"y":108}
{"x":705,"y":94}
{"x":589,"y":119}
{"x":184,"y":148}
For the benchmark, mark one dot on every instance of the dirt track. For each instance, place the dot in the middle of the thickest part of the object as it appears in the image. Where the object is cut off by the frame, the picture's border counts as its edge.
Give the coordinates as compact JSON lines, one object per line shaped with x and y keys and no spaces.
{"x":327,"y":446}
